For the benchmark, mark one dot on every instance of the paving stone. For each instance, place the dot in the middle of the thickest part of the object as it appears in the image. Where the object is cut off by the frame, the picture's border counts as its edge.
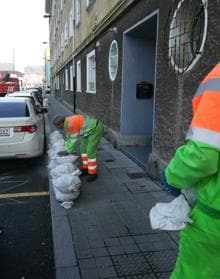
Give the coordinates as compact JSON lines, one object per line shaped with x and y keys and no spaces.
{"x":155,"y":242}
{"x":103,"y":262}
{"x":131,"y":264}
{"x":99,"y":252}
{"x":127,"y":240}
{"x":175,"y":236}
{"x":112,"y":242}
{"x":107,"y":272}
{"x":142,"y":276}
{"x":91,"y":273}
{"x":96,"y":243}
{"x":162,"y":261}
{"x":87,"y":263}
{"x":164,"y":275}
{"x":84,"y":254}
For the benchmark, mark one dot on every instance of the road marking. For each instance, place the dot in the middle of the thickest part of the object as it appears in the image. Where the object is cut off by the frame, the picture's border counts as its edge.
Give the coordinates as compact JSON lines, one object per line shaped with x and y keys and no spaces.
{"x":23,"y":195}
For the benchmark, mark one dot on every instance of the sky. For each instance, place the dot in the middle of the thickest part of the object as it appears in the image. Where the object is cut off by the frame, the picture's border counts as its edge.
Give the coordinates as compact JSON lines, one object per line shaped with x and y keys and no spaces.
{"x":23,"y":31}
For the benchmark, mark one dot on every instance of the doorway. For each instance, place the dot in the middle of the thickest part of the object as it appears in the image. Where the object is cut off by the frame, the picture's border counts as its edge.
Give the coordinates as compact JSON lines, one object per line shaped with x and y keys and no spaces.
{"x":138,"y":67}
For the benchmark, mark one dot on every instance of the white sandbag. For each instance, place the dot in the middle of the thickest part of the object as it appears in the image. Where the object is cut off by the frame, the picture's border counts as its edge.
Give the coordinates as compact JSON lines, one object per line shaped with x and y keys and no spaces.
{"x":67,"y":204}
{"x":62,"y":197}
{"x":62,"y":169}
{"x":45,"y":102}
{"x":52,"y":153}
{"x":66,"y":183}
{"x":65,"y":159}
{"x":170,"y":216}
{"x":52,"y":164}
{"x":60,"y":143}
{"x":55,"y":136}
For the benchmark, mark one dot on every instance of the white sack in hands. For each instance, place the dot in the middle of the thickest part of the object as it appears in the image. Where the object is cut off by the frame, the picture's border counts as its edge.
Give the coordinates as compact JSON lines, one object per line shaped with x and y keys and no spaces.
{"x":171,"y":216}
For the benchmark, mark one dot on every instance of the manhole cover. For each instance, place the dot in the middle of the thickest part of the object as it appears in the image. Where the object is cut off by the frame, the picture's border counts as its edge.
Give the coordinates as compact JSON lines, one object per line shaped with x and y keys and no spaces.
{"x":142,"y":185}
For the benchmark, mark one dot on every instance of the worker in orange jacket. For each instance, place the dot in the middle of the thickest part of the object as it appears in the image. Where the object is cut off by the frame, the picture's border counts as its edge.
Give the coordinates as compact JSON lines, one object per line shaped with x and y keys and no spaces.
{"x":91,"y":131}
{"x":197,"y":164}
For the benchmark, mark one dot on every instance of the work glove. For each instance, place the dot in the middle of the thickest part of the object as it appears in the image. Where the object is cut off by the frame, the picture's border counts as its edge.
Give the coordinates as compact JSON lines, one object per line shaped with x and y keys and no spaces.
{"x":63,"y":153}
{"x":169,"y":188}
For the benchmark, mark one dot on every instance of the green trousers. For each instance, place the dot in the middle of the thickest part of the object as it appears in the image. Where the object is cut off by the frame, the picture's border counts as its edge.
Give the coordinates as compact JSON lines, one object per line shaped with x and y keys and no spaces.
{"x":199,"y":248}
{"x":89,"y":143}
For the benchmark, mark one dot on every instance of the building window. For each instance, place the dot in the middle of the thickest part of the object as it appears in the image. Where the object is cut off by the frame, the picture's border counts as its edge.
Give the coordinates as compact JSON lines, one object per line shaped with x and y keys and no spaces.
{"x":91,"y":72}
{"x":187,"y":33}
{"x":78,"y":76}
{"x":61,"y":5}
{"x":66,"y":79}
{"x":113,"y":60}
{"x":71,"y":24}
{"x":71,"y":78}
{"x":66,"y":32}
{"x":78,"y":12}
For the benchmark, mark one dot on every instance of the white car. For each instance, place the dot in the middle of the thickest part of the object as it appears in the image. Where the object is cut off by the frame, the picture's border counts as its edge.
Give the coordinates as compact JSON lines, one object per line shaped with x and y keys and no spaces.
{"x":26,"y":94}
{"x":21,"y":129}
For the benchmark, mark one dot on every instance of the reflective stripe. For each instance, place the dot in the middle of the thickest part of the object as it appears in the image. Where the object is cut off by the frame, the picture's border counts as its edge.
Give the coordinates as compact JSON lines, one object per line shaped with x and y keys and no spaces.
{"x":204,"y":135}
{"x":92,"y":160}
{"x":92,"y":167}
{"x":211,"y":85}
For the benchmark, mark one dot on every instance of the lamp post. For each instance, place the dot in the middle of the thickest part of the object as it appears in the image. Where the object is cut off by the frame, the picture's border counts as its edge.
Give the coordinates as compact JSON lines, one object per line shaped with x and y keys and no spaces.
{"x":46,"y":66}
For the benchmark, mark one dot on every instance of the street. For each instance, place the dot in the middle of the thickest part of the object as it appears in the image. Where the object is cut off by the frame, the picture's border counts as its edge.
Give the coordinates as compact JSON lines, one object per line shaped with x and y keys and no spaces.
{"x":25,"y":220}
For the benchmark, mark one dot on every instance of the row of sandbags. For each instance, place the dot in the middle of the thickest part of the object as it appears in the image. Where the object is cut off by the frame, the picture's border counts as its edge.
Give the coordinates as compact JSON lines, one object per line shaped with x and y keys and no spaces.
{"x":63,"y":171}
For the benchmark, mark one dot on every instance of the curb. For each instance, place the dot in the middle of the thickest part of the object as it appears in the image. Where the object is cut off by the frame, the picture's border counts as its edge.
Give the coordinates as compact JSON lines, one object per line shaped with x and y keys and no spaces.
{"x":64,"y":255}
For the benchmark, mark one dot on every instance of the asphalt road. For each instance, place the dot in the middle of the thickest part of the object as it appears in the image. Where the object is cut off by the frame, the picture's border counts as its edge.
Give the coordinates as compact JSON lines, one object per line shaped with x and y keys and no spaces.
{"x":26,"y":249}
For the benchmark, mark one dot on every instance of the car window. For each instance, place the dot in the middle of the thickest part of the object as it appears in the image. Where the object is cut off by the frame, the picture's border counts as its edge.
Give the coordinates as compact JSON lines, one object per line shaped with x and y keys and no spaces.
{"x":10,"y":109}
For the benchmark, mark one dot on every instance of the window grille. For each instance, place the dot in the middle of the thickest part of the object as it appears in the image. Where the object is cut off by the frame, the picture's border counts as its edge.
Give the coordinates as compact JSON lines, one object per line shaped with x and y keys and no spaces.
{"x":187,"y":33}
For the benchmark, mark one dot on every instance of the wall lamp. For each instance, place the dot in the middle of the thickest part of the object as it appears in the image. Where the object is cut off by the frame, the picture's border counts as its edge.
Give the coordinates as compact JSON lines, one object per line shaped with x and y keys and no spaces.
{"x":47,"y":16}
{"x":113,"y":29}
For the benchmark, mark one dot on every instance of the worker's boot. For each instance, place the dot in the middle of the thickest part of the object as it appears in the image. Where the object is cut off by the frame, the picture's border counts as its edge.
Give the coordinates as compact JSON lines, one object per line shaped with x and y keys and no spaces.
{"x":83,"y":172}
{"x":91,"y":177}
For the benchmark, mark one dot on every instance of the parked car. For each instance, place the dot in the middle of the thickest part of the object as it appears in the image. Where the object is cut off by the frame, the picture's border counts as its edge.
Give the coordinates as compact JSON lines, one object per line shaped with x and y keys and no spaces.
{"x":21,"y":129}
{"x":47,"y":90}
{"x":28,"y":94}
{"x":38,"y":92}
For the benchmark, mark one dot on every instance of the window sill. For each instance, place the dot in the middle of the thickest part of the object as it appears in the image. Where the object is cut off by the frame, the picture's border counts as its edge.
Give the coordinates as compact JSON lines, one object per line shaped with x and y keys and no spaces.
{"x":90,"y":92}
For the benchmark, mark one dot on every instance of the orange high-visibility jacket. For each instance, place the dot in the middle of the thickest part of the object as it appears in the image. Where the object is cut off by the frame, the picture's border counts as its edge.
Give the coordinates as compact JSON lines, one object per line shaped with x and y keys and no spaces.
{"x":205,"y":125}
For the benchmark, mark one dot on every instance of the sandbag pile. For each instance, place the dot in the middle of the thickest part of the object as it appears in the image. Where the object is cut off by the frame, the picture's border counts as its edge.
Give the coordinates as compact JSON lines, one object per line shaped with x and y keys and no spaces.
{"x":63,"y":171}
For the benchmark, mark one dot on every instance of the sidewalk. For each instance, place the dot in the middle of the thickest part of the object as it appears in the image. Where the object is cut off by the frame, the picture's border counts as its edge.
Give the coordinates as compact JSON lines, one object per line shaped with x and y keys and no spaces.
{"x":107,"y":233}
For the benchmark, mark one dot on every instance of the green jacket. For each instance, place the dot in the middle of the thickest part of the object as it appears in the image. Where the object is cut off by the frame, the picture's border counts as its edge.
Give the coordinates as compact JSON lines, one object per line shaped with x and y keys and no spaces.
{"x":197,"y":164}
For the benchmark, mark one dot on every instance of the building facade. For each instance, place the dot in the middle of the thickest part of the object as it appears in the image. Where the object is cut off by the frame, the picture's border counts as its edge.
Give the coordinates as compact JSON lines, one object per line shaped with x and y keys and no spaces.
{"x":135,"y":66}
